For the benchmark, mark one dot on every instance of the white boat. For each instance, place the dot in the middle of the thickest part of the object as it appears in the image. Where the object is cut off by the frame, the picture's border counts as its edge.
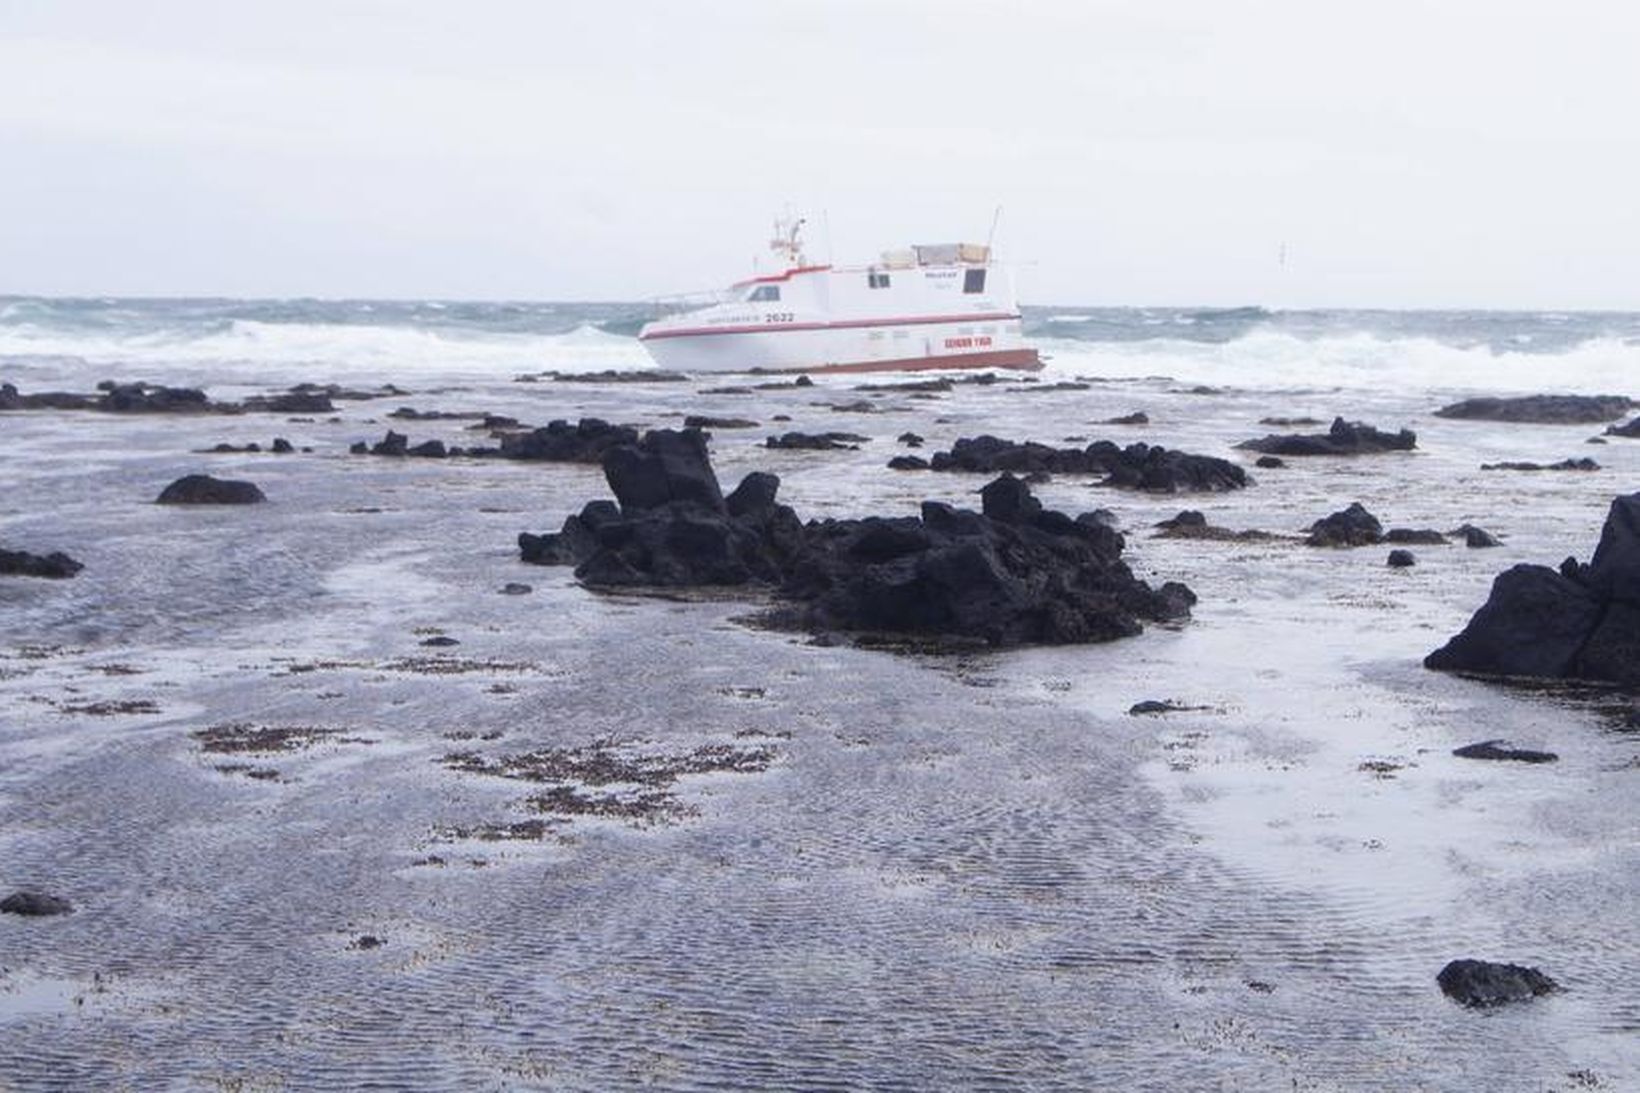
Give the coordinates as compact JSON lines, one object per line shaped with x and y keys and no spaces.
{"x":946,"y":305}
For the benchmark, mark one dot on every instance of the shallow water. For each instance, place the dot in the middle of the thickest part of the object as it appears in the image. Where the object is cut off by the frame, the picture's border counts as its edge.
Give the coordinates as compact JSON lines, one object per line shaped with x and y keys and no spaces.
{"x":958,"y":872}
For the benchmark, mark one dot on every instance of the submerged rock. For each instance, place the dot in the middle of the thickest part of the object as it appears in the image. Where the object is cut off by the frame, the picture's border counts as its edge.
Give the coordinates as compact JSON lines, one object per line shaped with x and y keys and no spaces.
{"x":1344,"y":438}
{"x":34,"y":904}
{"x":1481,"y":984}
{"x":1541,"y":409}
{"x":1584,"y":464}
{"x":908,"y":463}
{"x":1013,"y":573}
{"x":1580,"y":622}
{"x":817,"y":442}
{"x":202,"y":489}
{"x":20,"y":563}
{"x":1146,"y":467}
{"x":706,"y":421}
{"x":1500,"y":751}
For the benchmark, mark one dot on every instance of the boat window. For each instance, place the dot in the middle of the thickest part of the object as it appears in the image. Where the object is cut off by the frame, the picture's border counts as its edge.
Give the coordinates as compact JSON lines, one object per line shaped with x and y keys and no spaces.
{"x":765,"y":292}
{"x":973,"y":280}
{"x":876,"y":280}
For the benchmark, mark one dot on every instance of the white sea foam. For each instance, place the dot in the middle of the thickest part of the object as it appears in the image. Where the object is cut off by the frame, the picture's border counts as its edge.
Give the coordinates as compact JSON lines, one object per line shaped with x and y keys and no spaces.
{"x":1266,"y":358}
{"x":339,"y":348}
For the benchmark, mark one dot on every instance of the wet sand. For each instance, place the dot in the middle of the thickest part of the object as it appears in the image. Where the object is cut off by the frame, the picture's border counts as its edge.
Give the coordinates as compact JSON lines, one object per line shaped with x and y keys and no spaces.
{"x":963,"y":871}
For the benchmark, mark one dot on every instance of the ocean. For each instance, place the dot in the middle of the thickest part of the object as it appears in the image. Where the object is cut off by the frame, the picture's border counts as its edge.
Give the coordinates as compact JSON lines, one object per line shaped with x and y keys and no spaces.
{"x":944,"y":871}
{"x":1483,"y":350}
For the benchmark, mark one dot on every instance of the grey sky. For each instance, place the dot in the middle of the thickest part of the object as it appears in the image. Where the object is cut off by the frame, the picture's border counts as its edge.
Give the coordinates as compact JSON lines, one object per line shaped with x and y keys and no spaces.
{"x":1406,"y":154}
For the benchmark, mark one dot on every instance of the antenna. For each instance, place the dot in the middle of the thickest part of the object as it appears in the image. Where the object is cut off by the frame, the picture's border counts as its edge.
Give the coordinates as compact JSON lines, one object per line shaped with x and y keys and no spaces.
{"x":995,"y":217}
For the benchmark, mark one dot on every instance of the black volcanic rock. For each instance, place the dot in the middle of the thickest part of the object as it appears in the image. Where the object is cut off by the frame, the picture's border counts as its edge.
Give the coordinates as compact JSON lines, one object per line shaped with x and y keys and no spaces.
{"x":1146,"y":467}
{"x":1534,"y":623}
{"x":1011,"y":574}
{"x":292,"y":402}
{"x":1138,"y":417}
{"x":1481,"y":984}
{"x":1415,"y":536}
{"x":1344,"y":438}
{"x":34,"y":904}
{"x":1351,"y":527}
{"x":20,"y":563}
{"x":908,"y":463}
{"x":705,"y":421}
{"x":1584,"y":464}
{"x":1541,"y":409}
{"x":1581,"y":622}
{"x":1402,"y":559}
{"x":202,"y":489}
{"x":817,"y":442}
{"x":1498,"y":750}
{"x":1477,"y":538}
{"x":144,"y":398}
{"x":560,"y":442}
{"x":1627,"y":429}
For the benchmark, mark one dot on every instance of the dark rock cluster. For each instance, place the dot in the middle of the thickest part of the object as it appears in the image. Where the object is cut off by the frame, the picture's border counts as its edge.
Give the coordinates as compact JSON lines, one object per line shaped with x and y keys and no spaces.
{"x":1481,"y":984}
{"x":817,"y":442}
{"x":1147,"y":467}
{"x":202,"y":489}
{"x":1013,"y":573}
{"x":1541,"y":409}
{"x":151,"y":398}
{"x":1627,"y":429}
{"x":1580,"y":622}
{"x":586,"y":441}
{"x":20,"y":563}
{"x":1344,"y":438}
{"x":1355,"y":526}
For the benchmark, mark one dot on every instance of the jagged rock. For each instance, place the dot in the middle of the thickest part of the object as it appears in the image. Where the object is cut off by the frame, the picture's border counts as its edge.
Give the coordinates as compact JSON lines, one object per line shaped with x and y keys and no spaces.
{"x":1584,"y":464}
{"x":1402,"y":559}
{"x":1344,"y":438}
{"x":1541,"y":409}
{"x":281,"y":446}
{"x":1477,"y":538}
{"x":1480,"y":984}
{"x":1138,"y":466}
{"x":1533,"y":624}
{"x":1190,"y":524}
{"x":20,"y":563}
{"x":817,"y":442}
{"x":431,"y":449}
{"x":1499,"y":750}
{"x":1010,"y":574}
{"x":202,"y":489}
{"x":394,"y":444}
{"x":1582,"y":622}
{"x":1351,"y":527}
{"x":908,"y":463}
{"x":34,"y":904}
{"x":910,"y":440}
{"x":143,"y":398}
{"x":586,"y":441}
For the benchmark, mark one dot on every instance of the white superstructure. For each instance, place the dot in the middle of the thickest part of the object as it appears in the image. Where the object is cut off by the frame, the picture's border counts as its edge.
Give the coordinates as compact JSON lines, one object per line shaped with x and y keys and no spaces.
{"x":941,"y":306}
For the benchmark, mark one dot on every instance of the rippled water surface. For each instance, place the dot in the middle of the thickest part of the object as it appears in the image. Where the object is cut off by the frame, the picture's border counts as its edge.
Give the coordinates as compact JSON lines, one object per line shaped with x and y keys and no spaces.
{"x":954,"y":872}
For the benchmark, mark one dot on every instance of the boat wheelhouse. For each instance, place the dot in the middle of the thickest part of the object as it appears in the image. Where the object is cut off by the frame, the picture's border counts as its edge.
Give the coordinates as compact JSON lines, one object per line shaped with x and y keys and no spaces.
{"x":947,"y":305}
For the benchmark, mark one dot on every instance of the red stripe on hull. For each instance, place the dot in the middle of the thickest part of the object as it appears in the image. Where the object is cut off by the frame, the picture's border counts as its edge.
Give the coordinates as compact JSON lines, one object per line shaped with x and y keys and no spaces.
{"x":857,"y":324}
{"x":1023,"y":360}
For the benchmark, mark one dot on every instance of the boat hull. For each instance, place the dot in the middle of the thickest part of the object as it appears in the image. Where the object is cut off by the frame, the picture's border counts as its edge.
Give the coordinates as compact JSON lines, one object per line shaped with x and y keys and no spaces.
{"x":890,"y":349}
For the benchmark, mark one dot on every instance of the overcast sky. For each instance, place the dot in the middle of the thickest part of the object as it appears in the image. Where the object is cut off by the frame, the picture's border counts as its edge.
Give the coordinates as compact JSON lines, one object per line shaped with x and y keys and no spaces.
{"x":1457,"y":153}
